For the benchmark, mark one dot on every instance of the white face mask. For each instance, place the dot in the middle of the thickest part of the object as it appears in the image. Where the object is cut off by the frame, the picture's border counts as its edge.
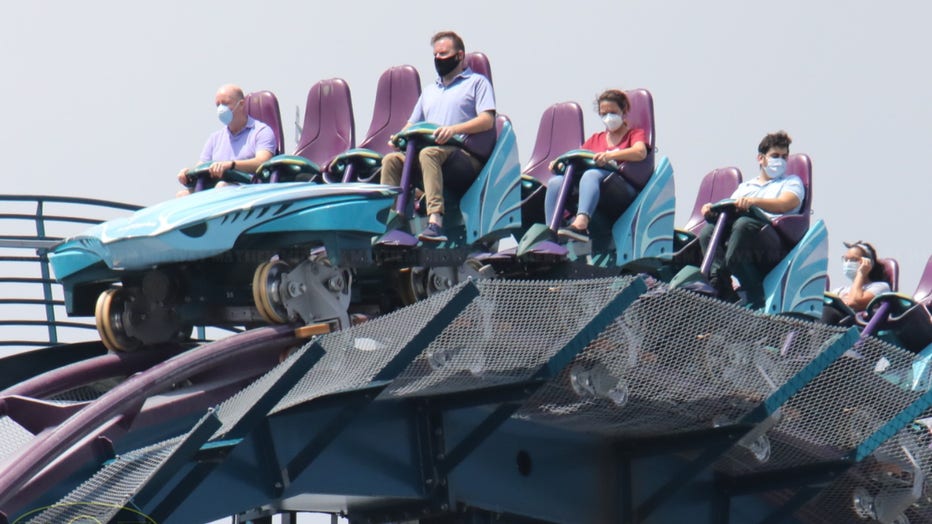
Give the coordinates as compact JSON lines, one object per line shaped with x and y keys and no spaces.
{"x":850,"y":268}
{"x":612,"y":121}
{"x":775,"y":167}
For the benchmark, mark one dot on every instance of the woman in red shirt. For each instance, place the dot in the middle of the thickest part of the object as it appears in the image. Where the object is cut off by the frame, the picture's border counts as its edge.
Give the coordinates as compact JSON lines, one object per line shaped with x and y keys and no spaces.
{"x":618,"y":143}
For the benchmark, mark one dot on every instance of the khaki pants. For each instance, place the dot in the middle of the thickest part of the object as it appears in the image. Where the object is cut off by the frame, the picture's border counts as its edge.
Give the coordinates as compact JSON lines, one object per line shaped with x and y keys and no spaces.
{"x":431,"y":160}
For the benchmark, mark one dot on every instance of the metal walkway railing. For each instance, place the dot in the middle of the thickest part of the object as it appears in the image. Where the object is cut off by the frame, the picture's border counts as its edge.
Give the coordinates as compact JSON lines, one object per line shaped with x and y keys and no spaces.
{"x":31,"y":302}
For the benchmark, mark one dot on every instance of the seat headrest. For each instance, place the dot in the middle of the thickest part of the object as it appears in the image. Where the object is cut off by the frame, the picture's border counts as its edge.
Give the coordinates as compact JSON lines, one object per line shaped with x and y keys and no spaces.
{"x":329,"y":128}
{"x":263,"y":106}
{"x":800,"y":164}
{"x":716,"y":185}
{"x":479,"y":62}
{"x":560,"y":130}
{"x":891,"y":272}
{"x":923,"y":293}
{"x":397,"y":92}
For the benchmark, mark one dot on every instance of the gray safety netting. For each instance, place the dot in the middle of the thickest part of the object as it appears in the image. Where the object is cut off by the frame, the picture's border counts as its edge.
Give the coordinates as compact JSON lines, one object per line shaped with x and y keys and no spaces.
{"x":834,"y":412}
{"x":355,"y":356}
{"x":675,"y":361}
{"x":13,"y":438}
{"x":505,"y":334}
{"x":107,"y":492}
{"x":895,"y":481}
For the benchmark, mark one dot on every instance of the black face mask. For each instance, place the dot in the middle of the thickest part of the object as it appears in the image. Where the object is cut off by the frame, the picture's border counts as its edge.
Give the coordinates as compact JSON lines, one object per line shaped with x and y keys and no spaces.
{"x":445,"y":65}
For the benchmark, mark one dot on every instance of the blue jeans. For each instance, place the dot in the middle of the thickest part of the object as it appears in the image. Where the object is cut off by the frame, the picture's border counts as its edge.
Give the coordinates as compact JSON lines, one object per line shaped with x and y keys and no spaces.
{"x":589,"y":184}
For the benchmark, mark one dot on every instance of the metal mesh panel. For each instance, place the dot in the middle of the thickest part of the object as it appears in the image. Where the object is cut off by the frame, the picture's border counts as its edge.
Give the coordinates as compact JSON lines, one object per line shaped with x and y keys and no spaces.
{"x":505,"y":334}
{"x":880,"y":480}
{"x":232,"y":409}
{"x":13,"y":438}
{"x":676,"y":361}
{"x":836,"y":411}
{"x":103,"y":495}
{"x":85,"y":393}
{"x":354,"y":356}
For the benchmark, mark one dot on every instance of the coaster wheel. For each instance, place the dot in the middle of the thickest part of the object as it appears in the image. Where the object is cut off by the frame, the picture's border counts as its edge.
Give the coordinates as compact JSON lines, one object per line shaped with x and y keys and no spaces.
{"x":109,"y":317}
{"x":266,"y":291}
{"x":412,"y":284}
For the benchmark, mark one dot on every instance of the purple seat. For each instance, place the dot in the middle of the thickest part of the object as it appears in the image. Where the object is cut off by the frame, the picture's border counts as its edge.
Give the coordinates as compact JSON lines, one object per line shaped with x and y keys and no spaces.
{"x":621,"y":188}
{"x":329,"y":128}
{"x":716,"y":185}
{"x":791,"y":228}
{"x":481,"y":144}
{"x":398,"y":90}
{"x":479,"y":62}
{"x":560,"y":130}
{"x":641,"y":115}
{"x":263,"y":106}
{"x":923,"y":294}
{"x":891,"y":272}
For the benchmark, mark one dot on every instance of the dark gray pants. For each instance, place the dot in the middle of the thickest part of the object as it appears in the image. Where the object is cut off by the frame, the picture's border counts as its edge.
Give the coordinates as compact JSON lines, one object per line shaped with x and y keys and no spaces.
{"x":747,"y":253}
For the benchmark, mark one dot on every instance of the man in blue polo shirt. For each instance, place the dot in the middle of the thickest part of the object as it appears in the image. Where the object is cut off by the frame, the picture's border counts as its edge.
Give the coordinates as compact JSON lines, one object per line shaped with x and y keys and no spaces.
{"x":746,"y":255}
{"x":461,"y":102}
{"x":242,"y":144}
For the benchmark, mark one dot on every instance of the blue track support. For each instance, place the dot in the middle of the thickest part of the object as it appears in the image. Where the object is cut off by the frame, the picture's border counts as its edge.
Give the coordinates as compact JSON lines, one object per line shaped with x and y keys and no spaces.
{"x":552,"y":368}
{"x":756,"y":416}
{"x":303,"y":459}
{"x":864,"y":450}
{"x":184,"y":453}
{"x":247,"y":422}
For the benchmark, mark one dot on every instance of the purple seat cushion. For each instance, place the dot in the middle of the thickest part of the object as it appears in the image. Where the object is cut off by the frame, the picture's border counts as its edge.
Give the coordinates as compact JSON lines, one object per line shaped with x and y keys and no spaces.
{"x":923,"y":293}
{"x":398,"y":90}
{"x":716,"y":185}
{"x":481,"y":144}
{"x":263,"y":106}
{"x":329,"y":128}
{"x":891,"y":272}
{"x":641,"y":115}
{"x":560,"y":130}
{"x":792,"y":227}
{"x":479,"y":62}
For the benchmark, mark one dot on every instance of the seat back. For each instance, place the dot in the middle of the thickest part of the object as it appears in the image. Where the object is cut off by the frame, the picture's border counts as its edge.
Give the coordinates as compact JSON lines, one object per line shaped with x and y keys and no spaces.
{"x":791,"y":228}
{"x":716,"y":185}
{"x":641,"y":115}
{"x":560,"y":130}
{"x":458,"y":174}
{"x":329,"y":128}
{"x":397,"y":92}
{"x":263,"y":106}
{"x":480,"y":144}
{"x":479,"y":62}
{"x":891,"y":272}
{"x":801,"y":165}
{"x":923,"y":293}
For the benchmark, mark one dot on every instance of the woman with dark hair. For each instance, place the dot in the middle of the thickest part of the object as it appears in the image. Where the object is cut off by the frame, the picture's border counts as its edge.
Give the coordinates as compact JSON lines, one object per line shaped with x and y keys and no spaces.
{"x":860,"y":266}
{"x":618,"y":143}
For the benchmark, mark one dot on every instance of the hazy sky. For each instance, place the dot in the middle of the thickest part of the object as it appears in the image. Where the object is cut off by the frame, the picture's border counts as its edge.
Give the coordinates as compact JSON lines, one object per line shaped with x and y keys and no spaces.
{"x":110,"y":99}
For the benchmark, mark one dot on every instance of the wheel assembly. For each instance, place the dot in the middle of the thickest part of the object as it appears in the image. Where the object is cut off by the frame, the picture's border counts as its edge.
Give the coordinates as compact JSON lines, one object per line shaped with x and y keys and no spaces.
{"x":110,"y":320}
{"x":266,"y":291}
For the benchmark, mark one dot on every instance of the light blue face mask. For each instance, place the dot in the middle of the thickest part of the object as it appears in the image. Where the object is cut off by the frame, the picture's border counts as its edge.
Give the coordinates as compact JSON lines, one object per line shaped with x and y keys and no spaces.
{"x":775,"y":167}
{"x":850,"y":268}
{"x":225,"y":114}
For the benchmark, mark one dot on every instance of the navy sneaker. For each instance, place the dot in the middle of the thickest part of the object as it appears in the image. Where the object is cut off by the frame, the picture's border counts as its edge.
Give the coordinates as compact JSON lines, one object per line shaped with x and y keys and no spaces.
{"x":432,"y":233}
{"x":579,"y":235}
